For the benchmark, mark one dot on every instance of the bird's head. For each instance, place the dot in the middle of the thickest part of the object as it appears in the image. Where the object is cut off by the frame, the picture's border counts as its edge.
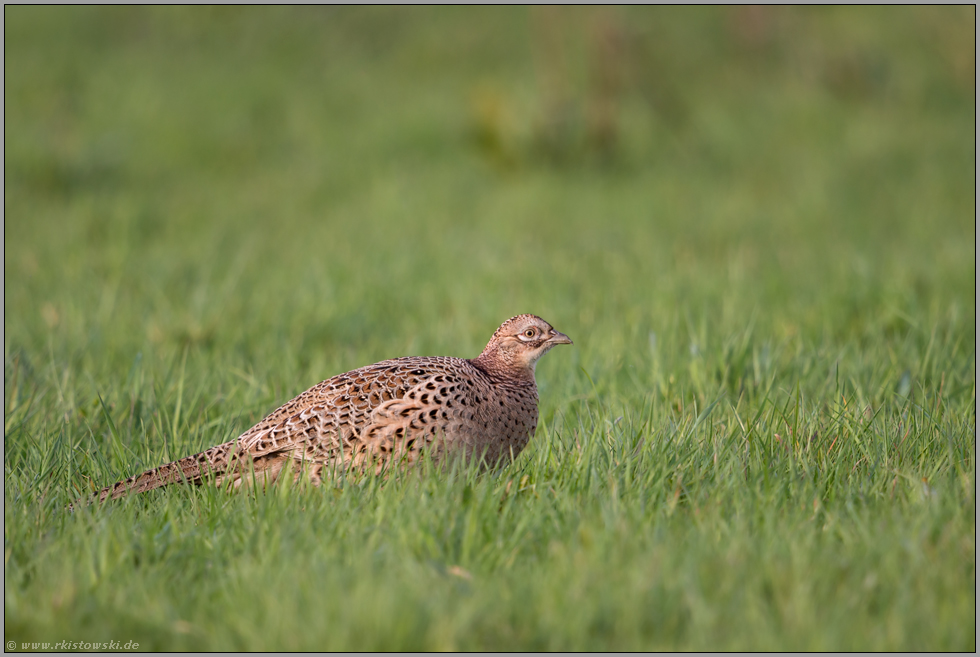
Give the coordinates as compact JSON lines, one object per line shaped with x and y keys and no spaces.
{"x":518,"y":344}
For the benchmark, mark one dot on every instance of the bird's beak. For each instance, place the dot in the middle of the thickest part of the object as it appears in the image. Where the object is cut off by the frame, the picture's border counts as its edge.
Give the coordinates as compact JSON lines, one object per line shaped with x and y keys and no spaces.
{"x":559,"y":338}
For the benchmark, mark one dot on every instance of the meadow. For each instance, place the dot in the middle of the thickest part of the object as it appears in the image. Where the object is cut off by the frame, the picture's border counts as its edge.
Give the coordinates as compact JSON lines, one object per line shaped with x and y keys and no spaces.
{"x":758,"y":226}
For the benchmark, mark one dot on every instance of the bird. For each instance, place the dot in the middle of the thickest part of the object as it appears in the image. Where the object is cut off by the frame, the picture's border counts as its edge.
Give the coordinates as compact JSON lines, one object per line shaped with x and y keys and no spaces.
{"x":383,"y":415}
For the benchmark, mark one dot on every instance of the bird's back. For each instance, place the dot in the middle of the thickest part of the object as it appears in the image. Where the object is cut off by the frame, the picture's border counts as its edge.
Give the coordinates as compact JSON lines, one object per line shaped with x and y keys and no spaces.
{"x":399,"y":408}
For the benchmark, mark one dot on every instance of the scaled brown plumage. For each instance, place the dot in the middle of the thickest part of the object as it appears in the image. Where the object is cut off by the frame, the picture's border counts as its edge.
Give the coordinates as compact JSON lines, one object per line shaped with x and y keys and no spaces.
{"x":389,"y":412}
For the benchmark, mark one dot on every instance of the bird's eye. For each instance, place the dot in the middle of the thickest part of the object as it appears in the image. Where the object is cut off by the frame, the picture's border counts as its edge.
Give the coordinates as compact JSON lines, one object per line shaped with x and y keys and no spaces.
{"x":529,"y":333}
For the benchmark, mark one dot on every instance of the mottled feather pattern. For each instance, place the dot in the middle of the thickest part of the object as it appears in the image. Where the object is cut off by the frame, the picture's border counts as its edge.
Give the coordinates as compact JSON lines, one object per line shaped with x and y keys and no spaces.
{"x":386,"y":413}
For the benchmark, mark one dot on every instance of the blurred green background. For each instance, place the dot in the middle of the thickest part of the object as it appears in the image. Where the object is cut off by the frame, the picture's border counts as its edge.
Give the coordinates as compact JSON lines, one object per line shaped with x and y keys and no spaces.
{"x":739,"y":203}
{"x":332,"y":175}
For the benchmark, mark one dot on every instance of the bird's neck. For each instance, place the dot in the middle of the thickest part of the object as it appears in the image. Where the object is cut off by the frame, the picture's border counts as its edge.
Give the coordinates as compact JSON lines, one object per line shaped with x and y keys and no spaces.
{"x":501,"y":370}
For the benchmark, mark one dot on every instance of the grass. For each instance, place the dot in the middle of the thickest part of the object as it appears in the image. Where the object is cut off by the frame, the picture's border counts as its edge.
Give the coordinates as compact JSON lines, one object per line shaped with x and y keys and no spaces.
{"x":757,"y":225}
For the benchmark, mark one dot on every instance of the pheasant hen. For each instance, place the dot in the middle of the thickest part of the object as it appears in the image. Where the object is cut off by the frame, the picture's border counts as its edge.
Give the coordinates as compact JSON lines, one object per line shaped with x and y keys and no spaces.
{"x":387,"y":413}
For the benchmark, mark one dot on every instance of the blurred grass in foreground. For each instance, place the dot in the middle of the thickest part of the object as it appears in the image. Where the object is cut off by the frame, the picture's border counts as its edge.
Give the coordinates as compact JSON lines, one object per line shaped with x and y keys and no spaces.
{"x":757,"y":224}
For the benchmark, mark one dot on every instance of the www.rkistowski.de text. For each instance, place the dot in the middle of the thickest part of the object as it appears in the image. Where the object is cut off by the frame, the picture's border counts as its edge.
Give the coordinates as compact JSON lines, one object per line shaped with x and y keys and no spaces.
{"x":72,"y":645}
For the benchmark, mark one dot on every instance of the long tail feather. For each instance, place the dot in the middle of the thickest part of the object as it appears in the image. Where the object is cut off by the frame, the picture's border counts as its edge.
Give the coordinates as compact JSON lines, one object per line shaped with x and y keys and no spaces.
{"x":222,"y":464}
{"x":193,"y":469}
